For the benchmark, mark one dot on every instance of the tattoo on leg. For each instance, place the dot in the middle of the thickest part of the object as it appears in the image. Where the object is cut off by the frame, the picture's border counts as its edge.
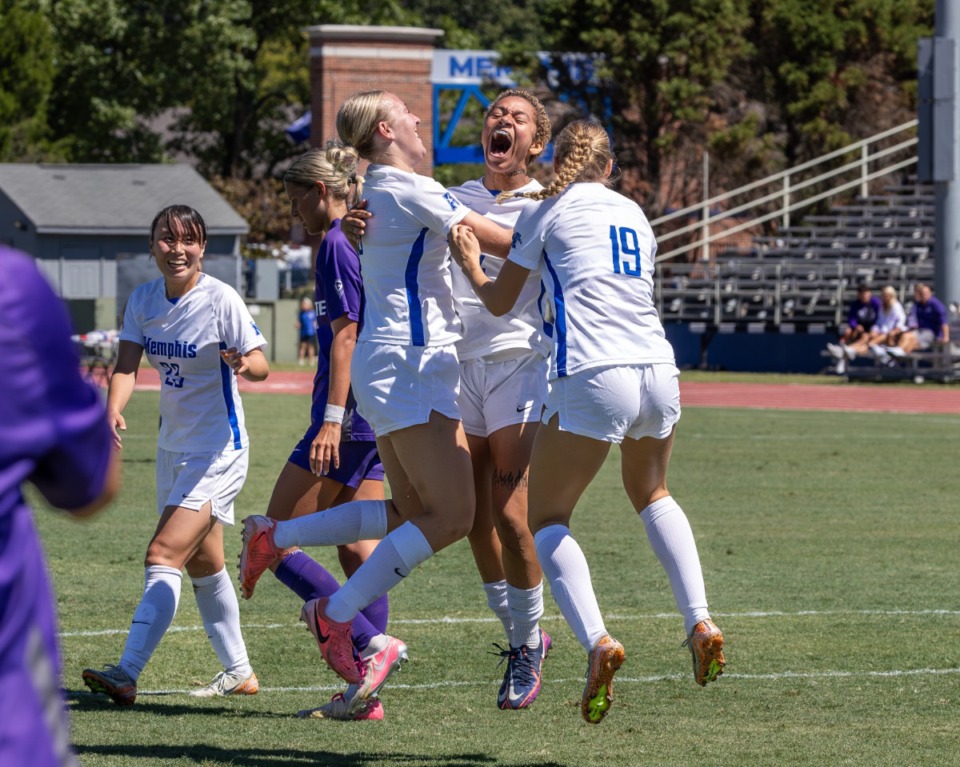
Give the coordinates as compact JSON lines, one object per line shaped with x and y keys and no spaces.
{"x":512,"y":479}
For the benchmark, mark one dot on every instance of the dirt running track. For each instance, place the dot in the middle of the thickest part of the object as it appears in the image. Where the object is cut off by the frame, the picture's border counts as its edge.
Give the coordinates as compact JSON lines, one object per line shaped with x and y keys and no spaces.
{"x":848,"y":397}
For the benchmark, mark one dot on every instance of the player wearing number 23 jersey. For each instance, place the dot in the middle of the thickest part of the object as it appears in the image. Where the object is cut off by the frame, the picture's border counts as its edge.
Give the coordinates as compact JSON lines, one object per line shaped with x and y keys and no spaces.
{"x":594,"y":250}
{"x":200,"y":408}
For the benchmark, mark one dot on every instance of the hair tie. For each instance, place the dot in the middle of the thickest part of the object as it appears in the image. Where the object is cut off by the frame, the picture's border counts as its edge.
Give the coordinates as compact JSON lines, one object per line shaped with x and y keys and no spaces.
{"x":353,"y":177}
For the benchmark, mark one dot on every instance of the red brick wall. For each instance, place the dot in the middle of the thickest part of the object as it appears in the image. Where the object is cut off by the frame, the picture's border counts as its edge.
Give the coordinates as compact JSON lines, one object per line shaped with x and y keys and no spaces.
{"x":347,"y":59}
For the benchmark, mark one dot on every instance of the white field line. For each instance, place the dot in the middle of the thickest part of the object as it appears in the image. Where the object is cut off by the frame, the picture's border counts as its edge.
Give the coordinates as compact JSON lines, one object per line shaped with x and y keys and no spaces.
{"x":621,"y":679}
{"x":727,"y":678}
{"x":445,"y":620}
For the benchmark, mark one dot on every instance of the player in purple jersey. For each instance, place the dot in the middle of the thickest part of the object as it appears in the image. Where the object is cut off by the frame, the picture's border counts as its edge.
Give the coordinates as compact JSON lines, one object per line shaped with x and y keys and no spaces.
{"x":198,"y":333}
{"x":336,"y":460}
{"x":53,"y":434}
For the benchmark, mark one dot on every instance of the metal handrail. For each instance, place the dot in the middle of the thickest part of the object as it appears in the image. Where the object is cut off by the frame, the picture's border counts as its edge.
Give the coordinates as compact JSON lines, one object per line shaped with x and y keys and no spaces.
{"x":768,"y":216}
{"x":788,"y":191}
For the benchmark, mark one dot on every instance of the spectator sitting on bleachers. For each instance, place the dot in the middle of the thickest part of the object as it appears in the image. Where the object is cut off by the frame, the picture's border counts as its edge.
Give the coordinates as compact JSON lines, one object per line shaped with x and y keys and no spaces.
{"x":861,"y":317}
{"x":890,"y":324}
{"x":927,"y":324}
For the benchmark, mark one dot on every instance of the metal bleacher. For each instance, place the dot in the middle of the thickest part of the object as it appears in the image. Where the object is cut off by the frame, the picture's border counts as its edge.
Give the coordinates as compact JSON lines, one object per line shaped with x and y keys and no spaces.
{"x":802,"y":277}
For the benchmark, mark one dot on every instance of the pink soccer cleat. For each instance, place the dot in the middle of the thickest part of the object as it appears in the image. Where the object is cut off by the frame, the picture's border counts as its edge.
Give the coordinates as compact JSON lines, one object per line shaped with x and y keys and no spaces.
{"x":335,"y":640}
{"x":378,"y":667}
{"x":257,"y":553}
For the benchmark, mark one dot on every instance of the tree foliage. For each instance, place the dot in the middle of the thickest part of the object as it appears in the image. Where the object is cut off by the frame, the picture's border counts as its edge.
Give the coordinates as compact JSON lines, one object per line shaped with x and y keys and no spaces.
{"x":832,"y":71}
{"x":662,"y":64}
{"x":758,"y":84}
{"x":473,"y":24}
{"x":26,"y":78}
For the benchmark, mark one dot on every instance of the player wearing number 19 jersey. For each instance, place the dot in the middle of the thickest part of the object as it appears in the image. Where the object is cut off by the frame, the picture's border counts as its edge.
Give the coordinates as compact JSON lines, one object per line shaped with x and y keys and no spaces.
{"x":594,"y":250}
{"x":614,"y":381}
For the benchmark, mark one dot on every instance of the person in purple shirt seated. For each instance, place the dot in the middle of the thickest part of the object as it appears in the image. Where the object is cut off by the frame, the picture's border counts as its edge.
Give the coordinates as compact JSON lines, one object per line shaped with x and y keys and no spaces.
{"x":336,"y":460}
{"x":927,"y":323}
{"x":861,"y":316}
{"x":53,"y":434}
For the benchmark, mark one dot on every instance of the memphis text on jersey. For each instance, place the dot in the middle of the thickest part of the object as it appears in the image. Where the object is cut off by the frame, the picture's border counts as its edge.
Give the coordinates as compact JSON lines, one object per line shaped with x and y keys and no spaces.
{"x":170,"y":348}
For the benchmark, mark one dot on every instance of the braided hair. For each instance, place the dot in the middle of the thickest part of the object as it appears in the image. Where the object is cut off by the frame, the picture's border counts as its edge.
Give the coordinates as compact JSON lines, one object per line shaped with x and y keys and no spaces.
{"x":582,"y":154}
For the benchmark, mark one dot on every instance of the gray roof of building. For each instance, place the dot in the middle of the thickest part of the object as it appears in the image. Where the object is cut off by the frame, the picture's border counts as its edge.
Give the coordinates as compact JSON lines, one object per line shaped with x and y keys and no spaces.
{"x":112,"y":199}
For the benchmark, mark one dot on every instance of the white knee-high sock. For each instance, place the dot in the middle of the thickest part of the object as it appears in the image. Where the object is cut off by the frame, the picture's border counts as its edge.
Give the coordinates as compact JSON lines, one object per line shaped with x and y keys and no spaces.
{"x":346,"y":523}
{"x":392,"y":561}
{"x":152,"y":618}
{"x":671,"y":538}
{"x":526,"y":608}
{"x":497,"y":602}
{"x":566,"y":568}
{"x":220,"y":611}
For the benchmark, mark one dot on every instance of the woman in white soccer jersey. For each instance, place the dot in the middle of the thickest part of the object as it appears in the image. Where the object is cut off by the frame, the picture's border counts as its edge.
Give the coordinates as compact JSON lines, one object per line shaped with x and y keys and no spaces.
{"x":200,"y":336}
{"x":503,"y":383}
{"x":405,"y":375}
{"x":613,"y":380}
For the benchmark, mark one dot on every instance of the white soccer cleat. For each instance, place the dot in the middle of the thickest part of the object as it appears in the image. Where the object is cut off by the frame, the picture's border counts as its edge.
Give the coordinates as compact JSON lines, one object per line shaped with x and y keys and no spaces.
{"x":224,"y":684}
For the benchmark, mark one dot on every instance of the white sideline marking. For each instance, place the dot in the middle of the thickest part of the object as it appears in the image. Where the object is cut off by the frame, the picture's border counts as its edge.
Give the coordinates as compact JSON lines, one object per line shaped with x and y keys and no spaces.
{"x":786,"y":675}
{"x":552,"y":618}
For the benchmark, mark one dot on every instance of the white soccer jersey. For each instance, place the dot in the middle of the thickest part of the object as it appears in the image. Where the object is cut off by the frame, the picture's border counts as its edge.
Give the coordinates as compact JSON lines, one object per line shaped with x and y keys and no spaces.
{"x":894,"y":318}
{"x":200,"y":408}
{"x":595,"y":252}
{"x":405,"y":263}
{"x":520,"y":328}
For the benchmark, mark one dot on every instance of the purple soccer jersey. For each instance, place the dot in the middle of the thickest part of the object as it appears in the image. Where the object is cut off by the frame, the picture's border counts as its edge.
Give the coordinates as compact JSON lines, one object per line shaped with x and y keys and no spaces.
{"x":338,"y":293}
{"x":930,"y":316}
{"x":863,"y":313}
{"x":54,"y":434}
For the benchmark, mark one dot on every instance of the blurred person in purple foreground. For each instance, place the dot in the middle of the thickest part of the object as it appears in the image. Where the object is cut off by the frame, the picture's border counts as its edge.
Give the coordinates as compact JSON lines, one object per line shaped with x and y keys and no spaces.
{"x":53,"y":434}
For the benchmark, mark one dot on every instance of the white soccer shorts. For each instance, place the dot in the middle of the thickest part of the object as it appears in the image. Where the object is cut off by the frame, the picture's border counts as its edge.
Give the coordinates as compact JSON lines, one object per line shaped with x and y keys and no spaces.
{"x":499,"y":392}
{"x":190,"y":480}
{"x":399,"y":386}
{"x":612,"y":403}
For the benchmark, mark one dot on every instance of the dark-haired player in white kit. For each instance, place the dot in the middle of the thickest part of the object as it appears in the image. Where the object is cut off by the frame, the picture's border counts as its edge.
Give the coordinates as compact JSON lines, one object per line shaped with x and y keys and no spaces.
{"x":198,"y":333}
{"x":503,"y":386}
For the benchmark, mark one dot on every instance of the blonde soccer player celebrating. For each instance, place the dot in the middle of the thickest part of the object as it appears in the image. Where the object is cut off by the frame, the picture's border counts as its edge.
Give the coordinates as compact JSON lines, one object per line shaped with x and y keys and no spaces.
{"x":613,"y":380}
{"x":503,"y":382}
{"x":406,"y":379}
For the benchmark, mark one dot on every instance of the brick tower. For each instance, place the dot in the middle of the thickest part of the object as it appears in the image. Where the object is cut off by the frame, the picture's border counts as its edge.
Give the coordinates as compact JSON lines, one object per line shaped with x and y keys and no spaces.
{"x":347,"y":59}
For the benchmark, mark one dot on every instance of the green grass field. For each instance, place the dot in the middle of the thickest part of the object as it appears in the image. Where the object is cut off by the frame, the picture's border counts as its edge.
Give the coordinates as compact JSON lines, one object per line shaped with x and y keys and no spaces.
{"x":829,"y":547}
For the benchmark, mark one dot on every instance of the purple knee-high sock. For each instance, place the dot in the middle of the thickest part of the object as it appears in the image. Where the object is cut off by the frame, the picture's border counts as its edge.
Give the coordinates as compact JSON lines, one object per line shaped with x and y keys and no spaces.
{"x":305,"y":577}
{"x":377,"y":612}
{"x":309,"y":579}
